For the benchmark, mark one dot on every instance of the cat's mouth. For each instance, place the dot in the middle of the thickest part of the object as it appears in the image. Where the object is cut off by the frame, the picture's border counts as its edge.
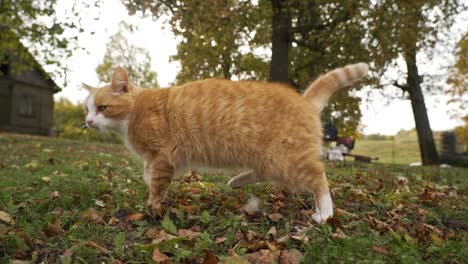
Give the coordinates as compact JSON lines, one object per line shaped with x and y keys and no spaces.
{"x":91,"y":125}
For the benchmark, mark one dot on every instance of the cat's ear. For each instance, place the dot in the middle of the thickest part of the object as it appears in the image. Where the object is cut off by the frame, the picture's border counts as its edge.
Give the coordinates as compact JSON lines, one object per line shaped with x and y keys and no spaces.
{"x":88,"y":88}
{"x":120,"y":82}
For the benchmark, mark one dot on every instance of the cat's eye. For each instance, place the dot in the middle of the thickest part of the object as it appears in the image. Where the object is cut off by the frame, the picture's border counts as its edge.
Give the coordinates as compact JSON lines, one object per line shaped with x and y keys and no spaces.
{"x":101,"y":108}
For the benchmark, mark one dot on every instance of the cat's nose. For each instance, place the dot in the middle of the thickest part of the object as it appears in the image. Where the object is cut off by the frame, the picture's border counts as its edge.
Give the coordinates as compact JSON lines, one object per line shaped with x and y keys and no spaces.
{"x":89,"y":122}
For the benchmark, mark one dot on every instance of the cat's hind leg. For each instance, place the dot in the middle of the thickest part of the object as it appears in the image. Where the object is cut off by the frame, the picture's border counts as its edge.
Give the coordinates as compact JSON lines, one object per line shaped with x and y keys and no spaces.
{"x":311,"y":177}
{"x":243,"y":179}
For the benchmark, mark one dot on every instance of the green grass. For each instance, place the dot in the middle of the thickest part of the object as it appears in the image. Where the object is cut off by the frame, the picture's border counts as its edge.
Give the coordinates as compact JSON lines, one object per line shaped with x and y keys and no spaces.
{"x":71,"y":202}
{"x":402,"y":149}
{"x":397,"y":151}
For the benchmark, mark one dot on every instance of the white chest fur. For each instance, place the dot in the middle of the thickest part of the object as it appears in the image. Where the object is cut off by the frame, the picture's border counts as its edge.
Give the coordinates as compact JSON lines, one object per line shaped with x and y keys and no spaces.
{"x":128,"y":144}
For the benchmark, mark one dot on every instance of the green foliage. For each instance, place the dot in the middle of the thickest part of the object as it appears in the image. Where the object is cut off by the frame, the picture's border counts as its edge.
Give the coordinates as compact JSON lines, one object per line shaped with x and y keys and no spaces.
{"x":458,"y":77}
{"x":69,"y":123}
{"x":35,"y":24}
{"x":232,"y":42}
{"x":169,"y":225}
{"x":399,"y":27}
{"x":135,"y":60}
{"x":461,"y":133}
{"x":224,"y":50}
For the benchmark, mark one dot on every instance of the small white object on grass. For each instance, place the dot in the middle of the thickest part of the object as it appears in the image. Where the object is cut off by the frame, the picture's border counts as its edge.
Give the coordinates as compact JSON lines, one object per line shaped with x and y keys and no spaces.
{"x":342,"y":148}
{"x":402,"y":180}
{"x":445,"y":166}
{"x":252,"y":205}
{"x":415,"y":164}
{"x":335,"y":154}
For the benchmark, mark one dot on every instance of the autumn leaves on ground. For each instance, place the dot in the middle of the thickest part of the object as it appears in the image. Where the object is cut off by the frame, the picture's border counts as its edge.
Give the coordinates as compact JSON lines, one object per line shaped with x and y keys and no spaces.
{"x":65,"y":201}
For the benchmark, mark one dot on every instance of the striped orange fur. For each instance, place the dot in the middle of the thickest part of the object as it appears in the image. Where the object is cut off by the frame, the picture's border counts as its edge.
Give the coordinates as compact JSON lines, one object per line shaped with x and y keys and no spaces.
{"x":268,"y":129}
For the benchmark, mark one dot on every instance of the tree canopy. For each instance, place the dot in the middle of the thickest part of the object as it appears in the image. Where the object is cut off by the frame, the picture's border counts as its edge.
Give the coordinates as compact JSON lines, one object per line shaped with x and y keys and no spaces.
{"x":403,"y":29}
{"x":235,"y":42}
{"x":267,"y":38}
{"x":33,"y":27}
{"x":458,"y":77}
{"x":135,"y":60}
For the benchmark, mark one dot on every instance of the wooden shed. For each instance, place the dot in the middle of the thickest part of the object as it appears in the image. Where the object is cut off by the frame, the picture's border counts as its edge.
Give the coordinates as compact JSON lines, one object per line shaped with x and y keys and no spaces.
{"x":26,"y":100}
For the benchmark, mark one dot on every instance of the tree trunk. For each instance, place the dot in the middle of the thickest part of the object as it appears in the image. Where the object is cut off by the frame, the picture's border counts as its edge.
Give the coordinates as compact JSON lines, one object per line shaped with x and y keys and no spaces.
{"x":280,"y":42}
{"x":226,"y":65}
{"x":426,"y":139}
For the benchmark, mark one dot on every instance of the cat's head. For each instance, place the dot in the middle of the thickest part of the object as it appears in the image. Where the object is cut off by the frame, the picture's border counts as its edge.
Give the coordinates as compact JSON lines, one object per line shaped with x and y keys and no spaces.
{"x":108,"y":107}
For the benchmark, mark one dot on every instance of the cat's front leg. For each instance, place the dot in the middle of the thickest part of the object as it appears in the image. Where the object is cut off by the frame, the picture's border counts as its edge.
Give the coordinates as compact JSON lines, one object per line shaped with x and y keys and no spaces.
{"x":158,"y":173}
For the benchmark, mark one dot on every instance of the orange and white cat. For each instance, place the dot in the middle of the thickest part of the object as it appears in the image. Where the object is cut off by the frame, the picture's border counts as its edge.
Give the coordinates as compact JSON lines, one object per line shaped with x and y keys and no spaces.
{"x":268,"y":129}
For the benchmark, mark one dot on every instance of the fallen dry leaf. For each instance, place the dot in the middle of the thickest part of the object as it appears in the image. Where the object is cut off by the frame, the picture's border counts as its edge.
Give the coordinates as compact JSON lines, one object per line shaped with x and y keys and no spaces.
{"x":437,"y":240}
{"x":18,"y":261}
{"x":256,"y":245}
{"x":271,"y":233}
{"x":46,"y":179}
{"x":334,"y":222}
{"x":6,"y":218}
{"x":232,"y":252}
{"x":152,"y":233}
{"x":91,"y":215}
{"x":55,"y":229}
{"x":261,"y":257}
{"x":377,"y":224}
{"x":292,"y":256}
{"x":210,"y":258}
{"x":159,"y":237}
{"x":54,"y":194}
{"x":357,"y":192}
{"x":159,"y":257}
{"x":339,"y":234}
{"x":340,"y":212}
{"x":380,"y":250}
{"x":433,"y":229}
{"x":219,"y":240}
{"x":98,"y":247}
{"x":4,"y":229}
{"x":192,"y":190}
{"x":32,"y":165}
{"x":272,"y":246}
{"x":431,"y":196}
{"x":250,"y":235}
{"x":275,"y":217}
{"x":191,"y":235}
{"x":113,"y":221}
{"x":135,"y":217}
{"x":283,"y":239}
{"x":302,"y":238}
{"x":234,"y":260}
{"x":28,"y":239}
{"x":99,"y":203}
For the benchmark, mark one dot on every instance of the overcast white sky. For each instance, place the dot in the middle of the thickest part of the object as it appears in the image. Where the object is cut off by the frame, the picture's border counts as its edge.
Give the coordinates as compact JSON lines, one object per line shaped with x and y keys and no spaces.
{"x":378,"y":117}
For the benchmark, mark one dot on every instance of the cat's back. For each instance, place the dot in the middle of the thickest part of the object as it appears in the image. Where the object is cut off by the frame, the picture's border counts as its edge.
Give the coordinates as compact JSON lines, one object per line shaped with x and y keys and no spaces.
{"x":223,"y":109}
{"x":217,"y":94}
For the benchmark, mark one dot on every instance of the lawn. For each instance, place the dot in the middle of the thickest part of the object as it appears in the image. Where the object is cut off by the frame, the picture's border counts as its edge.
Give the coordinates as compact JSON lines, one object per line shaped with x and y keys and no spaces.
{"x":397,"y":151}
{"x":65,"y":201}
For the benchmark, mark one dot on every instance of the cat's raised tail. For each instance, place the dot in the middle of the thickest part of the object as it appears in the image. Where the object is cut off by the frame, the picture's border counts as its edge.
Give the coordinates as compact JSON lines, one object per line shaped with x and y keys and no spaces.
{"x":322,"y":89}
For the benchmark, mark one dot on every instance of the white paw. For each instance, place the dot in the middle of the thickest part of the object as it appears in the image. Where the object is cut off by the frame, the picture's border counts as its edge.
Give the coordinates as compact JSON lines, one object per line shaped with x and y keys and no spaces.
{"x":319,"y":218}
